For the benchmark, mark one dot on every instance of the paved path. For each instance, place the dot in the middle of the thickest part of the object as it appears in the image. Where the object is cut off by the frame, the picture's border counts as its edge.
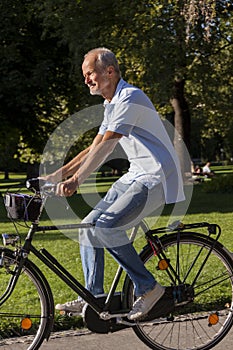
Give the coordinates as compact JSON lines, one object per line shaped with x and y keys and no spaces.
{"x":122,"y":340}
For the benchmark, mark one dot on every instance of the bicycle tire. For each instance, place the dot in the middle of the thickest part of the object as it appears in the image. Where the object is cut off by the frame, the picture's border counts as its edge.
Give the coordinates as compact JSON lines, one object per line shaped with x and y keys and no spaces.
{"x":31,"y":301}
{"x":190,"y":326}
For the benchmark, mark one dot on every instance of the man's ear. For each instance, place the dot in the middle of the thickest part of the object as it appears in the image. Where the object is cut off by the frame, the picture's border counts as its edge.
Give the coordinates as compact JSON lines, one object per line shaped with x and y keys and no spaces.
{"x":110,"y":70}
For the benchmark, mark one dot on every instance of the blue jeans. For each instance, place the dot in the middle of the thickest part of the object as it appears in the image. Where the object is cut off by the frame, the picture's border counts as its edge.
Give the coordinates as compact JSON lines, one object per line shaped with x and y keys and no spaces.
{"x":123,"y":207}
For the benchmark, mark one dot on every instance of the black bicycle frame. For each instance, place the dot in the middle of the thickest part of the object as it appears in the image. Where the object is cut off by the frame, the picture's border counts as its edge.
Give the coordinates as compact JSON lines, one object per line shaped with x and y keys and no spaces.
{"x":73,"y":283}
{"x":59,"y":270}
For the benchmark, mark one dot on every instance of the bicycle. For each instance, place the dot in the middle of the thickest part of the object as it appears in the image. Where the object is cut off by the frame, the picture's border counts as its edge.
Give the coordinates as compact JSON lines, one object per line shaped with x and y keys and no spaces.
{"x":194,"y":313}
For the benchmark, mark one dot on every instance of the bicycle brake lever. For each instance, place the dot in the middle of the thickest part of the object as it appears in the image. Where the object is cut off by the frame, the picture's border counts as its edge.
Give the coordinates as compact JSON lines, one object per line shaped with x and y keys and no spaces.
{"x":49,"y":188}
{"x":38,"y":185}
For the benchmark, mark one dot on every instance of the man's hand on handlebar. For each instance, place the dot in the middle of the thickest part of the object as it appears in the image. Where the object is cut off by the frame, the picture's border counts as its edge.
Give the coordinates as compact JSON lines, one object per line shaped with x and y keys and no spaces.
{"x":67,"y":188}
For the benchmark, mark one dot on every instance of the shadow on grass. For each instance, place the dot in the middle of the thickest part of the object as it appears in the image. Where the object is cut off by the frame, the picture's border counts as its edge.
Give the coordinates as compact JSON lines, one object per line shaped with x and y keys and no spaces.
{"x":200,"y":203}
{"x":81,"y":204}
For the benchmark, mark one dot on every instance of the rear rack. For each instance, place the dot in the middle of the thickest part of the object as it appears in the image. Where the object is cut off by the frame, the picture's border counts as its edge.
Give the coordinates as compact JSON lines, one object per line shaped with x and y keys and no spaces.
{"x":179,"y":226}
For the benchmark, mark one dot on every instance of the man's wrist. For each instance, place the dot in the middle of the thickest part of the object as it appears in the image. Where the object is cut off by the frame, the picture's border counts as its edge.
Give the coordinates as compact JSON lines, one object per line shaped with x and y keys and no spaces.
{"x":76,"y":180}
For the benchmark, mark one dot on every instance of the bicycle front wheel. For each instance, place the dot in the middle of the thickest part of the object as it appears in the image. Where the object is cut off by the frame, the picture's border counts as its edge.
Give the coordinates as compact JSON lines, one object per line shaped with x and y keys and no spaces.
{"x":204,"y":266}
{"x":26,"y":315}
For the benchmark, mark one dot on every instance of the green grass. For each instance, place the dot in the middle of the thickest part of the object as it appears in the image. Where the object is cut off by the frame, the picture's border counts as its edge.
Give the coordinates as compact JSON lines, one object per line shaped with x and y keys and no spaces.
{"x":210,"y":207}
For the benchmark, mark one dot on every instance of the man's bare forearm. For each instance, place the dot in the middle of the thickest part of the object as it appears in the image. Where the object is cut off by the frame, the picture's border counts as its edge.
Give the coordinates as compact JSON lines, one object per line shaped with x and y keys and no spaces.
{"x":70,"y":168}
{"x":101,"y":147}
{"x":94,"y":159}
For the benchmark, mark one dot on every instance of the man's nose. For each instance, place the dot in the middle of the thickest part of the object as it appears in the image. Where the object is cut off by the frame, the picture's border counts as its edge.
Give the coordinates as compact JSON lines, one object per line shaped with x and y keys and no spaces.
{"x":87,"y":79}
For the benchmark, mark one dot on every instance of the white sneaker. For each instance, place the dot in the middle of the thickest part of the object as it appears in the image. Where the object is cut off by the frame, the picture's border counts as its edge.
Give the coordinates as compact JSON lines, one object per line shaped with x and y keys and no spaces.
{"x":74,"y":306}
{"x":145,"y":302}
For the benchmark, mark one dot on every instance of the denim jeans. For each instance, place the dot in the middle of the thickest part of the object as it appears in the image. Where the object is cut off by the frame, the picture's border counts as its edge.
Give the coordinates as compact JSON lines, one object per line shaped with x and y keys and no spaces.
{"x":123,"y":207}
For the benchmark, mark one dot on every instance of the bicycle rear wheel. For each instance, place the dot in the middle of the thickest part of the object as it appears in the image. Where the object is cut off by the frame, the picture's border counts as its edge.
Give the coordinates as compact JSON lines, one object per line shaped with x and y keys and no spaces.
{"x":202,"y":322}
{"x":26,"y":316}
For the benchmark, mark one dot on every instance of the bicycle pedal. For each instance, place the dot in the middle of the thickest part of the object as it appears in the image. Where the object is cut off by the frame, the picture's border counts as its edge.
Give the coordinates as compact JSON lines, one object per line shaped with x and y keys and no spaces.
{"x":69,"y":313}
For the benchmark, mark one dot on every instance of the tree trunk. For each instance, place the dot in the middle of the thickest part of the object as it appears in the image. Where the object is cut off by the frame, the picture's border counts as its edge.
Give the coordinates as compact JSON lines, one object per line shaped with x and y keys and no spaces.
{"x":182,"y":126}
{"x":6,"y":174}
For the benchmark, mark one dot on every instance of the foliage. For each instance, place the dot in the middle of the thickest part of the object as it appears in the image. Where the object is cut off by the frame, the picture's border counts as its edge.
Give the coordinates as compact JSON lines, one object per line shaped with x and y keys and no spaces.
{"x":157,"y":43}
{"x":34,"y":82}
{"x":211,"y":85}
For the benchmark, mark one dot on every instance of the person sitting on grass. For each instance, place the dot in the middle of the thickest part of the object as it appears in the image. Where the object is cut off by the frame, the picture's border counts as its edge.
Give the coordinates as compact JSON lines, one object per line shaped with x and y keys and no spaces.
{"x":206,"y":171}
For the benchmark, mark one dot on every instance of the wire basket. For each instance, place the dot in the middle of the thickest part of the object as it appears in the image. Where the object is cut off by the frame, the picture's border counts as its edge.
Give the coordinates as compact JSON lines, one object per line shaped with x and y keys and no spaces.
{"x":22,"y":206}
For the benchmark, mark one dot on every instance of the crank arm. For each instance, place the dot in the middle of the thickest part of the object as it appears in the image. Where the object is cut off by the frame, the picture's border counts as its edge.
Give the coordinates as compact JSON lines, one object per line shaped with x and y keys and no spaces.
{"x":119,"y":319}
{"x":142,"y":322}
{"x":107,"y":316}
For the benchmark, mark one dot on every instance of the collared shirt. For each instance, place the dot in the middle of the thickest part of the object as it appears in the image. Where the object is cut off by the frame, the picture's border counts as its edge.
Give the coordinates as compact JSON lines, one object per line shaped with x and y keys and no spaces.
{"x":145,"y":141}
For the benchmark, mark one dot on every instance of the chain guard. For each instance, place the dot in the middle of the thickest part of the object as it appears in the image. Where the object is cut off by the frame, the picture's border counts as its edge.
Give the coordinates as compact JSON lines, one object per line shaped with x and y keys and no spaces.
{"x":93,"y":321}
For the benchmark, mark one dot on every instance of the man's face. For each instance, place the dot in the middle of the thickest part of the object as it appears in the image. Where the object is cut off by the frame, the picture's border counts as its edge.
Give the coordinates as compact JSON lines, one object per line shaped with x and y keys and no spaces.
{"x":96,"y":80}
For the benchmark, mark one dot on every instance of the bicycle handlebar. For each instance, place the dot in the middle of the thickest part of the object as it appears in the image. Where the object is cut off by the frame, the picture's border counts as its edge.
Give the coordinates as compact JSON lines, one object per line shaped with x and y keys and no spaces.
{"x":40,"y":185}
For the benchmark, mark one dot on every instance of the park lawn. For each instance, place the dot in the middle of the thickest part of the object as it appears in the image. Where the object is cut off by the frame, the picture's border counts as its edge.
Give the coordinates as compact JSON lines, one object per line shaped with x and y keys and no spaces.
{"x":209,"y":207}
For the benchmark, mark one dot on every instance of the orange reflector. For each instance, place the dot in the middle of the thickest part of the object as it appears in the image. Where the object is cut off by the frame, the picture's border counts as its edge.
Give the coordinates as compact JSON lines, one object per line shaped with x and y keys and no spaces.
{"x":213,"y":319}
{"x":163,"y":264}
{"x":26,"y":323}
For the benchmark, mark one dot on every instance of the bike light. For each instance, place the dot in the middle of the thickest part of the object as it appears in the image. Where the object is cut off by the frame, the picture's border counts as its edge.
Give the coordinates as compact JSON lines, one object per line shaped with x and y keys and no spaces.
{"x":26,"y":323}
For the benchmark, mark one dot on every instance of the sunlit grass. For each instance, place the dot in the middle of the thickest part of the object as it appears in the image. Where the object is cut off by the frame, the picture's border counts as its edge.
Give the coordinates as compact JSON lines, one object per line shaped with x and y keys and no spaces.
{"x":213,"y":208}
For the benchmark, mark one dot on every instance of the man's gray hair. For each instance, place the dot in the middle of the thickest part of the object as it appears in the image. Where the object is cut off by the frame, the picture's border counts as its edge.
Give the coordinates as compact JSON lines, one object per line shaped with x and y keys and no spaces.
{"x":105,"y":58}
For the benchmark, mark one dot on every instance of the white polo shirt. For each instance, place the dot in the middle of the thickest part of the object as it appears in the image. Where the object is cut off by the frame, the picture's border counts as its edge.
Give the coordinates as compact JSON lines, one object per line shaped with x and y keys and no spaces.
{"x":145,"y":141}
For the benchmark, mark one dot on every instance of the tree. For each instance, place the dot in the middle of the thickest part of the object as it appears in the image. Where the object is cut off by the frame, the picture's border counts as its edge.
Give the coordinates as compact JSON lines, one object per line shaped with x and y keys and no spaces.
{"x":8,"y":148}
{"x":34,"y":73}
{"x":170,"y":49}
{"x":179,"y":52}
{"x":212,"y":79}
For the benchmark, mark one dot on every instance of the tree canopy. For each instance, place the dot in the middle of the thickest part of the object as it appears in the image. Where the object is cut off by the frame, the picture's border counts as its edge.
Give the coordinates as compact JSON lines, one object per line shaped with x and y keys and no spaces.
{"x":179,"y":52}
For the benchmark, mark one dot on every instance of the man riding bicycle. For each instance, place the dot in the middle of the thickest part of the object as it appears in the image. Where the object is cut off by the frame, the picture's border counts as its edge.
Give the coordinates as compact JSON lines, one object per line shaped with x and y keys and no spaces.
{"x":152,"y":180}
